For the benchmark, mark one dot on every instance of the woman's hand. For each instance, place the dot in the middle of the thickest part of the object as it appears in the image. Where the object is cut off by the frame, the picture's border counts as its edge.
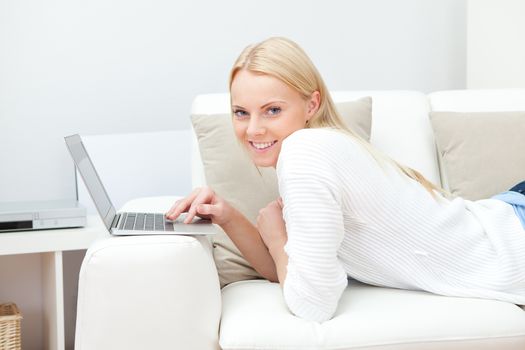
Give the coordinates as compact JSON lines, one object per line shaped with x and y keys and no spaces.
{"x":271,"y":226}
{"x":204,"y":203}
{"x":272,"y":230}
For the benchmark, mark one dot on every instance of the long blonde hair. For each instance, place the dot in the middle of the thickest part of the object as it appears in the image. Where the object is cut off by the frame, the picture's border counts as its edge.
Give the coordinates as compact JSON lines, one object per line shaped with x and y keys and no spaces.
{"x":285,"y":60}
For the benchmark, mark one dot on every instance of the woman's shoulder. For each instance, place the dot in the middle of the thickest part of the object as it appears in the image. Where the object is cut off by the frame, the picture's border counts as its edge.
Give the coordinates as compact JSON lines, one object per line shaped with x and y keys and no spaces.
{"x":321,"y":146}
{"x":317,"y":137}
{"x":315,"y":132}
{"x":308,"y":154}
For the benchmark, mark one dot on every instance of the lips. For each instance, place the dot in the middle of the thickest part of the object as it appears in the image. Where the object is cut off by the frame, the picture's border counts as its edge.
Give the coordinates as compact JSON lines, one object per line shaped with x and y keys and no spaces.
{"x":262,"y":146}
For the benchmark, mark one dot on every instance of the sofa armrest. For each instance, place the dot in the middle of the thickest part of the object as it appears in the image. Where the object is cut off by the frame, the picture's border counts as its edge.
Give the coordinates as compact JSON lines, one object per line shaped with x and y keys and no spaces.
{"x":148,"y":292}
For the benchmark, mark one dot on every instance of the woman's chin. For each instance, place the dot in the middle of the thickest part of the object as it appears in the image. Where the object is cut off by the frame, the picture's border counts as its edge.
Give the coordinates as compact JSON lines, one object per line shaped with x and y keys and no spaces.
{"x":263,"y":163}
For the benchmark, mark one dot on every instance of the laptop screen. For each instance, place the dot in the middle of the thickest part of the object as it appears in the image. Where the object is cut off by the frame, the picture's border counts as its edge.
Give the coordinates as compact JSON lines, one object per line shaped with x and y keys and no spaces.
{"x":91,"y":180}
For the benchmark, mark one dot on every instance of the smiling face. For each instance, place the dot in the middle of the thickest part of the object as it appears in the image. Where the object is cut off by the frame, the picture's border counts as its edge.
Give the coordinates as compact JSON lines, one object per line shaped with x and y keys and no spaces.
{"x":265,"y":112}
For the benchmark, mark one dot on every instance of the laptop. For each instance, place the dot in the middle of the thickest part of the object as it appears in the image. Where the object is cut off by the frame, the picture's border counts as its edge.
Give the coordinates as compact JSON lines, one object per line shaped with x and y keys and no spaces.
{"x":128,"y":223}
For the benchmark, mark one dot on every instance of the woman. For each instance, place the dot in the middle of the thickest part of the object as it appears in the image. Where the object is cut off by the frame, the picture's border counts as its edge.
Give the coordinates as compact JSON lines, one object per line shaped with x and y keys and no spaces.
{"x":347,"y":209}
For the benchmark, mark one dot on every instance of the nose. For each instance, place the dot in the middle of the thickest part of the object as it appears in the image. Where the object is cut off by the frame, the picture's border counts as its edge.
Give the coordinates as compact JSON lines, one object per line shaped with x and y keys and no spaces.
{"x":255,"y":127}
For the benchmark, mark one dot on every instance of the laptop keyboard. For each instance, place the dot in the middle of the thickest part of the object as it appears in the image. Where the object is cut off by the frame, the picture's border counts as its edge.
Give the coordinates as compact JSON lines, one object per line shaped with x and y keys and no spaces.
{"x":144,"y":222}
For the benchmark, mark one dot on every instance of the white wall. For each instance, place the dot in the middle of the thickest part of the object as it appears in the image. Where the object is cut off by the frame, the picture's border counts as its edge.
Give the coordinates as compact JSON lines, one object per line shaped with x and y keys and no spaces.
{"x":496,"y":44}
{"x":101,"y":67}
{"x":124,"y":66}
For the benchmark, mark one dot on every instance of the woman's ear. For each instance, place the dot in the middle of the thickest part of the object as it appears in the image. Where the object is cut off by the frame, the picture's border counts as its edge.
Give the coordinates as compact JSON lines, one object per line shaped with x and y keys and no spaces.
{"x":313,"y":104}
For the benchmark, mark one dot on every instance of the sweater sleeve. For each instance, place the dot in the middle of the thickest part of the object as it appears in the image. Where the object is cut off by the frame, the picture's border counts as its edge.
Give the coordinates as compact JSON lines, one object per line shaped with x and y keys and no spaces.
{"x":315,"y":278}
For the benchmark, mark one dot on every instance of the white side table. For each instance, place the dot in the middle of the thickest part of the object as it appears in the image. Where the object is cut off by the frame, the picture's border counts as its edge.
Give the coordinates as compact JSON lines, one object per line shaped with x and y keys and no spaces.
{"x":51,"y":244}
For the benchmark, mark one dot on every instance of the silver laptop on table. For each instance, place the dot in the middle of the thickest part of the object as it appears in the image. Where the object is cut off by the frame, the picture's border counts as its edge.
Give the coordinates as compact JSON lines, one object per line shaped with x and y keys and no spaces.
{"x":125,"y":223}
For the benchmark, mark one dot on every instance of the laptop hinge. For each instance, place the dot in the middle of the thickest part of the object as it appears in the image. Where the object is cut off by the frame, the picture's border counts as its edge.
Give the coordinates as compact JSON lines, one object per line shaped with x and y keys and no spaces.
{"x":115,"y":221}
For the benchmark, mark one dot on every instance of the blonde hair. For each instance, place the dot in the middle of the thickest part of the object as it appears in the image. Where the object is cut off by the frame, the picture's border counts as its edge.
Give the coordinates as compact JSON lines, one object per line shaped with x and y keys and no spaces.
{"x":285,"y":60}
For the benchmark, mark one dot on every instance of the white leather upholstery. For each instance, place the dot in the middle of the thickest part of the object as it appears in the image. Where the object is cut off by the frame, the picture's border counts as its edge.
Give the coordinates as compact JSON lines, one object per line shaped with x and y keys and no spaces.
{"x":163,"y":292}
{"x":255,"y":317}
{"x":478,"y":100}
{"x":401,"y":128}
{"x":148,"y":292}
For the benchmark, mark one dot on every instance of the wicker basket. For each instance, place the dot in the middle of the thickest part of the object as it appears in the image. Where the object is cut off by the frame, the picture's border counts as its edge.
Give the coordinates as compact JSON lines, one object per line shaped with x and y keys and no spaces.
{"x":10,"y":327}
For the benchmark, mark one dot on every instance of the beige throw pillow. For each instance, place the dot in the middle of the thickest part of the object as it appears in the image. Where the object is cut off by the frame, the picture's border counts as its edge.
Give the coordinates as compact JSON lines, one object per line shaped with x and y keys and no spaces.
{"x":230,"y":172}
{"x":482,"y":153}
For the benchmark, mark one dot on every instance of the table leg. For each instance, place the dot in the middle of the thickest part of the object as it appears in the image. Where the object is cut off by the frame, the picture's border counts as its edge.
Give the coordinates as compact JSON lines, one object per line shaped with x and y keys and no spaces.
{"x":53,"y":299}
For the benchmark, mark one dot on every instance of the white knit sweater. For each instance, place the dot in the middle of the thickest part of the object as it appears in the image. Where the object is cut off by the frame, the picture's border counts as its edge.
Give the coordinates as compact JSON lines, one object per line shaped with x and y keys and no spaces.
{"x":347,"y":216}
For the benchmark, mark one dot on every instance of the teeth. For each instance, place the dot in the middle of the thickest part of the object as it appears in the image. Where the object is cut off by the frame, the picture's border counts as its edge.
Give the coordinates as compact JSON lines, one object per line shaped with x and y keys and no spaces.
{"x":262,"y":145}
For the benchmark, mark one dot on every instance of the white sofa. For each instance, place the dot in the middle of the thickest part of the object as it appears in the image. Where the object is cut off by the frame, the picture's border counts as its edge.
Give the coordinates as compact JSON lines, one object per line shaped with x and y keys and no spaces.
{"x":162,"y":292}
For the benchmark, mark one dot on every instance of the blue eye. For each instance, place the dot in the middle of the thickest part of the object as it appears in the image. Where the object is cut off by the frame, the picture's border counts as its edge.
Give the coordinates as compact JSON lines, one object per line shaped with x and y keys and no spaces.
{"x":274,"y":110}
{"x":239,"y":113}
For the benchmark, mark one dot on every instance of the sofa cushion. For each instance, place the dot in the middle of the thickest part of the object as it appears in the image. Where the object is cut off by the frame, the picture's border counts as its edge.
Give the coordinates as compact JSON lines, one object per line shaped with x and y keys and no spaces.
{"x":481,"y":153}
{"x":255,"y":316}
{"x":232,"y":175}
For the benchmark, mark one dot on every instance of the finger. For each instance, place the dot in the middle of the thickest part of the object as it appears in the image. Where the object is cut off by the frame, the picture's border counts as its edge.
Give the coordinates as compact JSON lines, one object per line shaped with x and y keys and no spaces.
{"x":206,"y":209}
{"x":182,"y":205}
{"x":178,"y":208}
{"x":274,"y":205}
{"x":280,"y":201}
{"x":203,"y":197}
{"x":209,"y":211}
{"x":177,"y":202}
{"x":259,"y":218}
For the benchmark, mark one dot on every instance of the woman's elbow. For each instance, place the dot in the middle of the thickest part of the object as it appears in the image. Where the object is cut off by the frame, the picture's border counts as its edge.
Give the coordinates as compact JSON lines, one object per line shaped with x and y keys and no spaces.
{"x":312,"y":312}
{"x":318,"y":310}
{"x":313,"y":299}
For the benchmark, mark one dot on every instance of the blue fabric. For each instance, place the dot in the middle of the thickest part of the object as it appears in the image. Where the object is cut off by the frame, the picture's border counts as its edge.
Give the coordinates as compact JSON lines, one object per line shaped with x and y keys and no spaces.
{"x":519,"y":188}
{"x":517,"y":200}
